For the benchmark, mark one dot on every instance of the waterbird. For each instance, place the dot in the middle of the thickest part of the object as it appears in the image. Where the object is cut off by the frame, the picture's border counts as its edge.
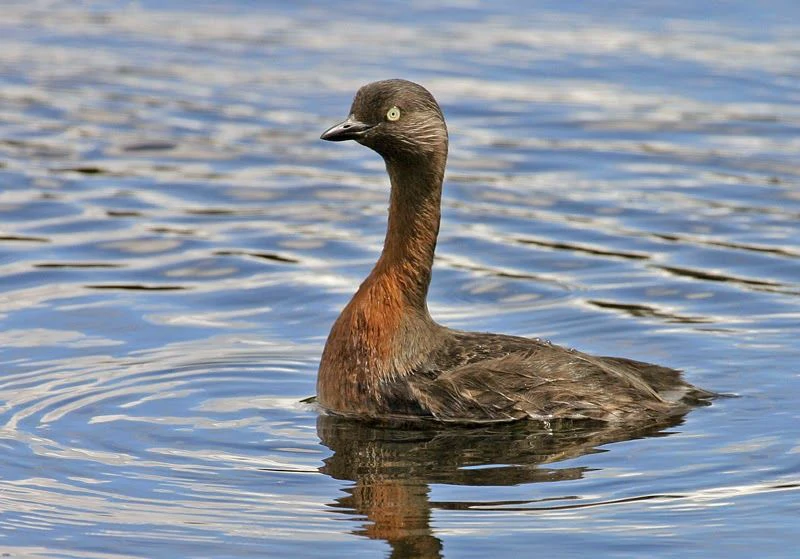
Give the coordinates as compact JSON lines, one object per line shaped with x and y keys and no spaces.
{"x":386,"y":358}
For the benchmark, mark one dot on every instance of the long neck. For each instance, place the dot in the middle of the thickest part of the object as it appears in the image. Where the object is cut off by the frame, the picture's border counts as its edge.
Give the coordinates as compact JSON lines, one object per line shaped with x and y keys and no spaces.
{"x":414,"y":214}
{"x":385,"y":330}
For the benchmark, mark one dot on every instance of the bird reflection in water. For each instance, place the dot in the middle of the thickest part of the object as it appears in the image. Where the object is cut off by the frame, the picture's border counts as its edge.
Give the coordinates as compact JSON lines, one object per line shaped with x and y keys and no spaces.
{"x":392,"y":466}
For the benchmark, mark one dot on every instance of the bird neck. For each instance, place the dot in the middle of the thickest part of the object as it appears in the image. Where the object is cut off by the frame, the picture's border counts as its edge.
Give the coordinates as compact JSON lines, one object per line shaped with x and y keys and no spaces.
{"x":385,"y":330}
{"x":414,"y":215}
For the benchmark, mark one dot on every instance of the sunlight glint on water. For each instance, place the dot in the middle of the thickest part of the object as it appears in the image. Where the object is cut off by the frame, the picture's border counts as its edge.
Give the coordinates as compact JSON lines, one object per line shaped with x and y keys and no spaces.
{"x":175,"y":243}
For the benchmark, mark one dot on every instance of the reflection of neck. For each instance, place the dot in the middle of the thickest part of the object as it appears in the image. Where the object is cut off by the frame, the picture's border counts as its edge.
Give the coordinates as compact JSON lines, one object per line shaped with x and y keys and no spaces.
{"x":399,"y":513}
{"x":414,"y":213}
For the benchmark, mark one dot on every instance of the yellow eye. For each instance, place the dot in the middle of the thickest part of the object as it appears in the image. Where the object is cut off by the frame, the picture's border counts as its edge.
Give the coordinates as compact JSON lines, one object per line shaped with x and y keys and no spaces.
{"x":393,"y":114}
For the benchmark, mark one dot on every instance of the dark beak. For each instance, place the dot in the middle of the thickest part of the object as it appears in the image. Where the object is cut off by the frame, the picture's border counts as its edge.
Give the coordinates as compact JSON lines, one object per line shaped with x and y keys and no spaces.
{"x":350,"y":129}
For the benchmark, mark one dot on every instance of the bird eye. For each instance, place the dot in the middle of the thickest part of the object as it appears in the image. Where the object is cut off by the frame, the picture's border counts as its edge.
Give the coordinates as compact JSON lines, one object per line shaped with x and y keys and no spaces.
{"x":393,"y":114}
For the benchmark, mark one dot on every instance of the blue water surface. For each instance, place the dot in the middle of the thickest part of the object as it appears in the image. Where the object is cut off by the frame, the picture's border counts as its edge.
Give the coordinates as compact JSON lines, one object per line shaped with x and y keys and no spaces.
{"x":175,"y":243}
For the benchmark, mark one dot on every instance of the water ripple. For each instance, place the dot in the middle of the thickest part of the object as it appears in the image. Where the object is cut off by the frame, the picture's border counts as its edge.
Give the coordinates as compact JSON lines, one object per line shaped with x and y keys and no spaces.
{"x":175,"y":243}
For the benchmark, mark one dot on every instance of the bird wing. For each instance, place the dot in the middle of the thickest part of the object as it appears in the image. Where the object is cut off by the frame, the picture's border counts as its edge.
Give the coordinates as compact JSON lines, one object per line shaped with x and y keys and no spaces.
{"x":555,"y":383}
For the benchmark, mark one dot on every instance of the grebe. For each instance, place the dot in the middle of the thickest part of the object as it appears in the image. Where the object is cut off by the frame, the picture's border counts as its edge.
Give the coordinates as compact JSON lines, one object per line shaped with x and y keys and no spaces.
{"x":385,"y":356}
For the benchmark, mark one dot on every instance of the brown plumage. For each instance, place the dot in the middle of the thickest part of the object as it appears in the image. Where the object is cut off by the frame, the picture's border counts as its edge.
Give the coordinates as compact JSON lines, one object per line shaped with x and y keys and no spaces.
{"x":385,"y":356}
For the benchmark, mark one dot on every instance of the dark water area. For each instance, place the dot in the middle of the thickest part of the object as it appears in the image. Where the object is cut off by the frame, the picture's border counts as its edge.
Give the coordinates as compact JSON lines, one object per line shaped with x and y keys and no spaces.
{"x":175,"y":243}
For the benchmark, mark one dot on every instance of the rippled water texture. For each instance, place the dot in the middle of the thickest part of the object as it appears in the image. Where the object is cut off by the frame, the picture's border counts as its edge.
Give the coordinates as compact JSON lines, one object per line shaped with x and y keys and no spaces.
{"x":175,"y":242}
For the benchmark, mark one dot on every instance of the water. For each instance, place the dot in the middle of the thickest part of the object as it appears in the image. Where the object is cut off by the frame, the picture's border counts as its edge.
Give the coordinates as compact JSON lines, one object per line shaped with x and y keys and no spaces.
{"x":175,"y":243}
